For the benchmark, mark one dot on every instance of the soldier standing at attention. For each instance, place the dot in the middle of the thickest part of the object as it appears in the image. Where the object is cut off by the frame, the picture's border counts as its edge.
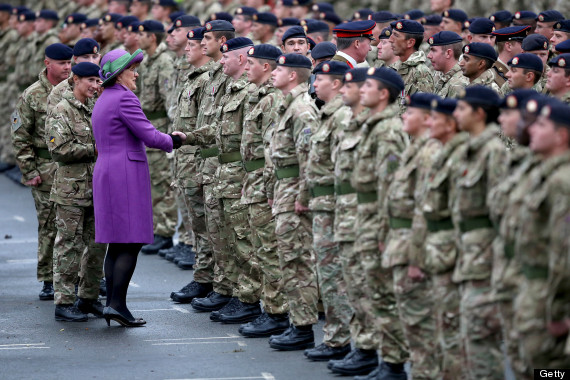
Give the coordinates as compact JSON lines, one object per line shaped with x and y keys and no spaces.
{"x":353,"y":42}
{"x":71,"y":31}
{"x":105,"y":34}
{"x":258,"y":185}
{"x":525,"y":71}
{"x":140,"y":9}
{"x":77,"y":258}
{"x":187,"y":173}
{"x":404,"y":253}
{"x":444,"y":52}
{"x":46,"y":35}
{"x":333,"y":118}
{"x":294,"y":40}
{"x":382,"y":20}
{"x":289,"y":154}
{"x":477,"y":63}
{"x":453,"y":20}
{"x":156,"y":73}
{"x":480,"y":169}
{"x":386,"y":56}
{"x":439,"y":245}
{"x":33,"y":157}
{"x":558,"y":82}
{"x":23,"y":76}
{"x":509,"y":43}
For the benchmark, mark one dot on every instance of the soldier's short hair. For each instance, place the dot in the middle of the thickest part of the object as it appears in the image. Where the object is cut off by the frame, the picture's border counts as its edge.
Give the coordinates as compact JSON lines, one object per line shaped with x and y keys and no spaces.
{"x":537,"y":74}
{"x":224,"y":33}
{"x":160,"y":36}
{"x":393,"y":92}
{"x":324,"y":35}
{"x":345,"y":42}
{"x":417,"y":38}
{"x":302,"y":73}
{"x":457,"y":49}
{"x":271,"y":62}
{"x":491,"y":112}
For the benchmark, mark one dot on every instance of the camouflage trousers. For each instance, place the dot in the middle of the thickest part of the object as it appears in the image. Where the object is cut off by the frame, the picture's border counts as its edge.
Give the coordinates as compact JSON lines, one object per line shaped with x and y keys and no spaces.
{"x":446,"y":295}
{"x":242,"y":265}
{"x":204,"y":267}
{"x":164,"y":211}
{"x":331,"y":282}
{"x":416,"y":308}
{"x":262,"y":224}
{"x":361,"y":323}
{"x":510,"y":335}
{"x":186,"y":235}
{"x":480,"y":332}
{"x":218,"y":240}
{"x":77,"y":258}
{"x":45,"y":210}
{"x":6,"y":147}
{"x":297,"y":261}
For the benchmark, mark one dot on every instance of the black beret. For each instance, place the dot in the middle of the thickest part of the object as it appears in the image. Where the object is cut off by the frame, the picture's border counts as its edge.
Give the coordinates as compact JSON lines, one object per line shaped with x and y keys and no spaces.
{"x":517,"y":98}
{"x":85,"y":46}
{"x":27,"y":16}
{"x":174,"y":15}
{"x":218,"y":26}
{"x":90,"y":22}
{"x":48,"y":14}
{"x":362,"y":14}
{"x":311,"y":42}
{"x":385,"y":33}
{"x":444,"y":37}
{"x":86,"y":69}
{"x":151,"y":26}
{"x":387,"y":76}
{"x":481,"y":50}
{"x":125,"y":21}
{"x":313,"y":26}
{"x":563,"y":47}
{"x":561,"y":60}
{"x":294,"y":32}
{"x":331,"y":68}
{"x":225,"y":16}
{"x":330,"y":17}
{"x":265,"y":18}
{"x":134,"y":27}
{"x":550,"y":15}
{"x":235,"y":44}
{"x":407,"y":26}
{"x":59,"y":52}
{"x":109,"y":17}
{"x":563,"y":26}
{"x":294,"y":60}
{"x":382,"y":16}
{"x":432,"y":20}
{"x":535,"y":42}
{"x":534,"y":103}
{"x":288,"y":21}
{"x":19,"y":10}
{"x":265,"y":51}
{"x":527,"y":61}
{"x":556,"y":111}
{"x":512,"y":33}
{"x":5,"y":8}
{"x":501,"y":16}
{"x":456,"y":15}
{"x":444,"y":105}
{"x":358,"y":74}
{"x":166,"y":3}
{"x":186,"y":21}
{"x":285,"y":3}
{"x":245,"y":11}
{"x":414,"y":14}
{"x":76,"y":18}
{"x":323,"y":50}
{"x":525,"y":15}
{"x":479,"y":95}
{"x":196,"y":34}
{"x":421,"y":100}
{"x":323,"y":7}
{"x":482,"y":25}
{"x":298,"y":2}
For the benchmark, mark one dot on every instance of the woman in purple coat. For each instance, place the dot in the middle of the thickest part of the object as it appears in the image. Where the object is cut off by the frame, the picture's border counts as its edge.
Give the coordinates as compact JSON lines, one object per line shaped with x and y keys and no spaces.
{"x":121,"y":180}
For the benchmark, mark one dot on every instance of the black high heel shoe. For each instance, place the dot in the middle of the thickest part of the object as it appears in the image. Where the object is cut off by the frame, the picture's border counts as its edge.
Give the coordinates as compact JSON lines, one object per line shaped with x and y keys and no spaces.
{"x":111,"y":314}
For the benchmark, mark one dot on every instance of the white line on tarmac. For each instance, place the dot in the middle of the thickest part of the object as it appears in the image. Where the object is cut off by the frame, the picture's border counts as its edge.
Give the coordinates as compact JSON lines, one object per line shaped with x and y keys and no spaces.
{"x":22,"y":261}
{"x":23,"y":348}
{"x":22,"y":344}
{"x":180,"y":309}
{"x":179,"y":339}
{"x":228,"y":378}
{"x":19,"y":241}
{"x":267,"y":376}
{"x":242,"y":344}
{"x":19,"y":218}
{"x":188,"y":343}
{"x":134,"y":285}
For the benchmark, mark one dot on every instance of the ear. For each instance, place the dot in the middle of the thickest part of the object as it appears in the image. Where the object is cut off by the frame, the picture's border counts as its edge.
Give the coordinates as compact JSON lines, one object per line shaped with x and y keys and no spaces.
{"x":337,"y":84}
{"x":448,"y":53}
{"x":410,"y":43}
{"x":530,"y":76}
{"x":384,"y":94}
{"x":469,"y":38}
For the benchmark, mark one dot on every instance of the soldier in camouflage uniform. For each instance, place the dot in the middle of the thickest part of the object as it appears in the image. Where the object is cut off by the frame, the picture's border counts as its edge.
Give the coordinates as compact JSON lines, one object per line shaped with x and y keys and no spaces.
{"x":538,"y":45}
{"x":334,"y":117}
{"x":445,"y":50}
{"x":33,"y":157}
{"x":289,"y":154}
{"x":70,"y":32}
{"x":187,"y":171}
{"x":476,"y":65}
{"x":541,"y":244}
{"x":558,"y":82}
{"x":217,"y":32}
{"x":157,"y":71}
{"x":480,"y":169}
{"x":439,"y":244}
{"x":22,"y":75}
{"x":106,"y":33}
{"x":382,"y":20}
{"x":403,"y":254}
{"x":77,"y":258}
{"x":519,"y":67}
{"x":259,"y":122}
{"x":386,"y":56}
{"x":45,"y":35}
{"x":376,"y":159}
{"x":406,"y":38}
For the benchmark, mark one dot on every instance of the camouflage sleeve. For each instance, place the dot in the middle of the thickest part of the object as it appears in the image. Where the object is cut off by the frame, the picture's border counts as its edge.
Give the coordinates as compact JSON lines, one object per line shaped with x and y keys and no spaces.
{"x":165,"y":75}
{"x":62,"y":143}
{"x":496,"y":169}
{"x":269,"y":121}
{"x":304,"y":123}
{"x":202,"y":134}
{"x":23,"y":124}
{"x":341,"y":119}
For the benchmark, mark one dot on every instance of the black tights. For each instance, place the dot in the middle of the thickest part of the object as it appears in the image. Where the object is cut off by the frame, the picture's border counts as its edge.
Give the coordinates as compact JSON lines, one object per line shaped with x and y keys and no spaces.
{"x":120,"y":263}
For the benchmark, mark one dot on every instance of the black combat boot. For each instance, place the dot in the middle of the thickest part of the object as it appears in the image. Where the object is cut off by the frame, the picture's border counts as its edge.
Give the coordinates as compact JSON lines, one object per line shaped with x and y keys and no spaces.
{"x":69,"y":313}
{"x":358,"y":362}
{"x":265,"y":325}
{"x":160,"y":242}
{"x":242,"y":313}
{"x":323,"y":353}
{"x":299,"y":338}
{"x":87,"y":306}
{"x":187,"y":258}
{"x":47,"y":291}
{"x":191,"y":291}
{"x":214,"y":301}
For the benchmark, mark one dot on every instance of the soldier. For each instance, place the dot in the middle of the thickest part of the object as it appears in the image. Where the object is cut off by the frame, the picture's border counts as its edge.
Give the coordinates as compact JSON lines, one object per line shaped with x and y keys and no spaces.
{"x":318,"y":31}
{"x":558,"y":83}
{"x":91,"y":8}
{"x":299,"y":9}
{"x":545,"y":22}
{"x":501,"y":19}
{"x":295,"y":41}
{"x":121,"y":29}
{"x":289,"y":154}
{"x":45,"y":36}
{"x":541,"y":244}
{"x":105,"y":34}
{"x":561,"y":32}
{"x":403,"y":254}
{"x":382,"y":20}
{"x":187,"y":171}
{"x":77,"y":258}
{"x":259,"y":123}
{"x":525,"y":71}
{"x":386,"y":56}
{"x":89,"y":28}
{"x":453,"y":20}
{"x":161,"y":10}
{"x":334,"y":117}
{"x":119,"y":6}
{"x":131,"y":43}
{"x":331,"y":19}
{"x":217,"y":33}
{"x":284,"y":25}
{"x":476,"y":113}
{"x":439,"y":244}
{"x":432,"y":26}
{"x":263,"y":28}
{"x":71,"y":30}
{"x":509,"y":43}
{"x":538,"y":45}
{"x":353,"y":41}
{"x":439,"y":6}
{"x":481,"y":30}
{"x":24,"y":77}
{"x":140,"y":9}
{"x":156,"y":73}
{"x":243,"y":21}
{"x":445,"y":50}
{"x":33,"y":157}
{"x":323,"y":52}
{"x":476,"y":65}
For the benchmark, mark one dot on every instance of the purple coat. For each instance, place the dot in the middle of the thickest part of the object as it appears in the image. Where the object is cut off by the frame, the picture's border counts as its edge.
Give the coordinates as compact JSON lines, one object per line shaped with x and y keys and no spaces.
{"x":121,"y":180}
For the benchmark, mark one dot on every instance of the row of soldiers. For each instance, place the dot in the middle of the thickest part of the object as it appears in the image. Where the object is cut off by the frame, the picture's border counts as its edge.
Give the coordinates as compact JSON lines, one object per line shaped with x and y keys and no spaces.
{"x":289,"y":203}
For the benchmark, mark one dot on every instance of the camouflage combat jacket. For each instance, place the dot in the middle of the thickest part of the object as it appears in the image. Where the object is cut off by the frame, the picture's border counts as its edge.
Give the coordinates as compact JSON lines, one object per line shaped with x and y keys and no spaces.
{"x":28,"y":133}
{"x":58,"y":92}
{"x":40,"y":44}
{"x":69,"y":137}
{"x":449,"y":84}
{"x":181,"y":71}
{"x":8,"y":37}
{"x":416,"y":75}
{"x":24,"y":77}
{"x":566,"y":98}
{"x":487,"y":79}
{"x":290,"y":149}
{"x":334,"y":117}
{"x":481,"y":169}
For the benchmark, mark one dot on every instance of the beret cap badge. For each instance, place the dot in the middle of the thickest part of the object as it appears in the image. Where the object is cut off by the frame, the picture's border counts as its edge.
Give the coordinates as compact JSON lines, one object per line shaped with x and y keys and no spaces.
{"x":512,"y":101}
{"x":225,"y":47}
{"x":545,"y":111}
{"x":326,"y":68}
{"x":141,"y":28}
{"x":430,"y":41}
{"x":434,"y":103}
{"x":532,"y":106}
{"x":208,"y":26}
{"x":281,"y":60}
{"x":251,"y":51}
{"x":540,"y":18}
{"x":370,"y":71}
{"x":348,"y":77}
{"x":399,"y":26}
{"x":517,"y":15}
{"x":515,"y":61}
{"x":562,"y":62}
{"x":466,"y":49}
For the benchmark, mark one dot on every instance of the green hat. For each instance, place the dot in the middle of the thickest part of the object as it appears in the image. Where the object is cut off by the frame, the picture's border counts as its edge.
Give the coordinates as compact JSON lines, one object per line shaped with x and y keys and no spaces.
{"x":116,"y":61}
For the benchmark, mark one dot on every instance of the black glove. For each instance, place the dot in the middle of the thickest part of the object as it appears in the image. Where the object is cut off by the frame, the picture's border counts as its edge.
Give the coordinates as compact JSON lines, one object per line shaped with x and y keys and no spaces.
{"x":176,"y":141}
